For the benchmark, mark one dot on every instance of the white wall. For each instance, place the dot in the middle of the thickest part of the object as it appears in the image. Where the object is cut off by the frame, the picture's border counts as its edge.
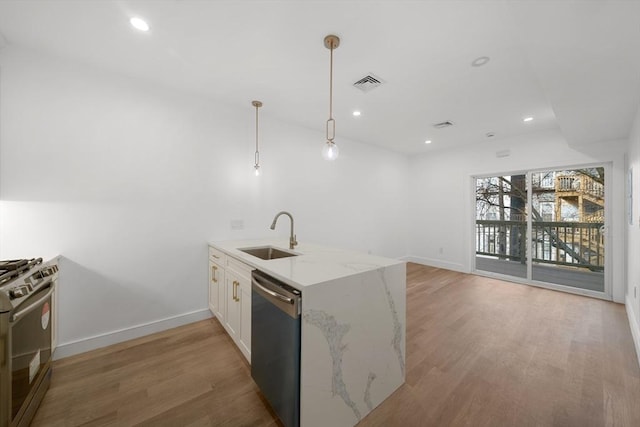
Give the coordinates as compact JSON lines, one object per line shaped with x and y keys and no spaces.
{"x":633,"y":237}
{"x":441,"y":209}
{"x":128,"y":181}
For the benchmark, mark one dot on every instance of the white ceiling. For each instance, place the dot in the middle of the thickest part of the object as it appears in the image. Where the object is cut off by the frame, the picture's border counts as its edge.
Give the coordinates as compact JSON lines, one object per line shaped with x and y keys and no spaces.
{"x":573,"y":65}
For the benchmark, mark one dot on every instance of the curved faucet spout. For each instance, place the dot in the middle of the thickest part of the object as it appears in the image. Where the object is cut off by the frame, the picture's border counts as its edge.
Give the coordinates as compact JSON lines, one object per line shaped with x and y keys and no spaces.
{"x":292,"y":238}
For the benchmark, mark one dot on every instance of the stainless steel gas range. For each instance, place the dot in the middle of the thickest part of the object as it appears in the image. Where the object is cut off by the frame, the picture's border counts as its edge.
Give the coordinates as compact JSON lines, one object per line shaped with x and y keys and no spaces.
{"x":26,"y":304}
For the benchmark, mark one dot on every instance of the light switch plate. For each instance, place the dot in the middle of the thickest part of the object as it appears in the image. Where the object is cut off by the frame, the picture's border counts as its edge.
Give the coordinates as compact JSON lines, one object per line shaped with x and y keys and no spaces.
{"x":237,"y":224}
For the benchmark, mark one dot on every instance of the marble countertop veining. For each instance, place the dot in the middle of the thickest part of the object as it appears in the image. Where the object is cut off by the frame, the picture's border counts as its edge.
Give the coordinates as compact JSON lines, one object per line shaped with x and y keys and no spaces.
{"x":313,"y":265}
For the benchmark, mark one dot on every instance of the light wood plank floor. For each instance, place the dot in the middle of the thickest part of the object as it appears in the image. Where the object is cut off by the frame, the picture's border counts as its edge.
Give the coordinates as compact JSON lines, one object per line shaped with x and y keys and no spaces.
{"x":480,"y":352}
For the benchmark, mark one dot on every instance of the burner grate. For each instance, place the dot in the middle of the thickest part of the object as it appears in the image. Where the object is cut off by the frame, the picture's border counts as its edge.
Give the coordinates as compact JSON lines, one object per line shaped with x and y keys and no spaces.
{"x":11,"y":269}
{"x":13,"y":264}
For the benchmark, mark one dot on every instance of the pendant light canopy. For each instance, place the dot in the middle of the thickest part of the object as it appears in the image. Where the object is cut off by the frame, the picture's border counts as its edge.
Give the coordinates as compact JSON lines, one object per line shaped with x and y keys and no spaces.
{"x":256,"y":167}
{"x":330,"y":150}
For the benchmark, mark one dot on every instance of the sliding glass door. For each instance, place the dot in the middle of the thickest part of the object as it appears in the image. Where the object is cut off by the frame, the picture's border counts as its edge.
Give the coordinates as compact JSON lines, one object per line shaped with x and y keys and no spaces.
{"x":560,"y":212}
{"x":567,"y":233}
{"x":501,"y":226}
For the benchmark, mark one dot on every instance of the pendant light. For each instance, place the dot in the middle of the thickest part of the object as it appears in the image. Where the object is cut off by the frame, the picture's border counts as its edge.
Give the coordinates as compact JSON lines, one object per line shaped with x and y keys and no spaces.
{"x":330,"y":150}
{"x":257,"y":104}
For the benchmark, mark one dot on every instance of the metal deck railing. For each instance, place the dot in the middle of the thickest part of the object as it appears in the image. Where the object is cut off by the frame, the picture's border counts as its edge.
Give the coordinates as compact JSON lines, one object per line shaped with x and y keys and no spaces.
{"x":574,"y":244}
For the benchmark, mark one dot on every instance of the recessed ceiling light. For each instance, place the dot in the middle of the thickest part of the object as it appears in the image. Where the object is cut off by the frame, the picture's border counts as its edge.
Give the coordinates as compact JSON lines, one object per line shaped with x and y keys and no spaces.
{"x":490,"y":134}
{"x":356,"y":113}
{"x":139,"y":24}
{"x":428,"y":141}
{"x":527,"y":119}
{"x":480,"y":61}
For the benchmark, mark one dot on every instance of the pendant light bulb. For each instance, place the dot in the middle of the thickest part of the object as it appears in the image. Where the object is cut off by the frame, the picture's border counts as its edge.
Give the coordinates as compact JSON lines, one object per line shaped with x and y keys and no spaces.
{"x":257,"y":170}
{"x":330,"y":151}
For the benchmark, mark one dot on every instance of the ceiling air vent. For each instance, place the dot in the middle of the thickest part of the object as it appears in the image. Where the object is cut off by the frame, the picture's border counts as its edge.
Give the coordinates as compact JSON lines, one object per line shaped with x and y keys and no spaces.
{"x":443,"y":125}
{"x":368,"y":82}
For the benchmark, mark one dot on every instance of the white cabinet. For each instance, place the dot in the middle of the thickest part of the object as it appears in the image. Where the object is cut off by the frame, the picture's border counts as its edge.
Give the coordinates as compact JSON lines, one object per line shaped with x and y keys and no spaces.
{"x":232,"y":320}
{"x":217,"y":292}
{"x":230,"y":297}
{"x":245,"y":317}
{"x":238,"y":299}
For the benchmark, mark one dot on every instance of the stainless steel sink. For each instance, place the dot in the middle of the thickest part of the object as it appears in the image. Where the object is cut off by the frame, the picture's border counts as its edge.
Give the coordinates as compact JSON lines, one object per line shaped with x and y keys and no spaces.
{"x":267,"y":252}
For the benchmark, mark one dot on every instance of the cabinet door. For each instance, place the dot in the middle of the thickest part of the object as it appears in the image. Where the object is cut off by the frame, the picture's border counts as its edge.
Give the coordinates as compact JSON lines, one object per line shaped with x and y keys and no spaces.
{"x":216,"y":290}
{"x":232,"y":318}
{"x":214,"y":301}
{"x":221,"y":307}
{"x":245,"y":318}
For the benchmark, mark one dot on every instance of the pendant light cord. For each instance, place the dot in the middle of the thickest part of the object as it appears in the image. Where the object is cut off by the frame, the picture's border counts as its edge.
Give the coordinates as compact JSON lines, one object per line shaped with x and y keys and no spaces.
{"x":331,"y":124}
{"x":331,"y":84}
{"x":257,"y":155}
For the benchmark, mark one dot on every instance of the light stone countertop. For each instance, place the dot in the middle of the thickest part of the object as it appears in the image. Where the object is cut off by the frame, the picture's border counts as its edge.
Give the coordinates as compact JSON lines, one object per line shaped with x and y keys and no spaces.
{"x":313,"y":265}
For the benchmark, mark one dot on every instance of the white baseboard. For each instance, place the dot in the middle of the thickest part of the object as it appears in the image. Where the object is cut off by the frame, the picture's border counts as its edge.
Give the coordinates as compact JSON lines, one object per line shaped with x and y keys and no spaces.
{"x":87,"y":344}
{"x":436,"y":263}
{"x":633,"y":324}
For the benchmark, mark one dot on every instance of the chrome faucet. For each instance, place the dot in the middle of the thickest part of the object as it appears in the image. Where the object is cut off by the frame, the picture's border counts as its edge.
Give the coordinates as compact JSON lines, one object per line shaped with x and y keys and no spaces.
{"x":292,"y":238}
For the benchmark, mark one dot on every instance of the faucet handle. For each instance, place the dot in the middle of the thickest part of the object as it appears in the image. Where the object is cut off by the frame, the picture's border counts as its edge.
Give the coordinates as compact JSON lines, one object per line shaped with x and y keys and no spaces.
{"x":293,"y":241}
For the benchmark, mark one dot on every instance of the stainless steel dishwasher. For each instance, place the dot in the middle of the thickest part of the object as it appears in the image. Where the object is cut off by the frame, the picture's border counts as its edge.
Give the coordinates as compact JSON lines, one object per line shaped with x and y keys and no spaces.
{"x":275,"y":344}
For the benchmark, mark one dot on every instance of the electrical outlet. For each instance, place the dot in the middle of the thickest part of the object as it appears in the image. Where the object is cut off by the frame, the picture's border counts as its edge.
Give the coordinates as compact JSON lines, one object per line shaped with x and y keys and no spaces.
{"x":440,"y":251}
{"x":237,"y":224}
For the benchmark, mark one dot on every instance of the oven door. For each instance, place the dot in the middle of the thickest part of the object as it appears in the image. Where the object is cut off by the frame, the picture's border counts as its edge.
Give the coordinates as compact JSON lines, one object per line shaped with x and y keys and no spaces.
{"x":30,"y":329}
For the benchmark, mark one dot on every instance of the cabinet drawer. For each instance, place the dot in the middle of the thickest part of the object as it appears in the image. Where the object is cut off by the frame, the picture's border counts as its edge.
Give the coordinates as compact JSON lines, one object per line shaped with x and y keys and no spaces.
{"x":241,"y":269}
{"x":217,"y":256}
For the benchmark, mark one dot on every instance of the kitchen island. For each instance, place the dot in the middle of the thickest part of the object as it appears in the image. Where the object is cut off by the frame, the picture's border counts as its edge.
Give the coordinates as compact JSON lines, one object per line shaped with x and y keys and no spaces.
{"x":353,"y":325}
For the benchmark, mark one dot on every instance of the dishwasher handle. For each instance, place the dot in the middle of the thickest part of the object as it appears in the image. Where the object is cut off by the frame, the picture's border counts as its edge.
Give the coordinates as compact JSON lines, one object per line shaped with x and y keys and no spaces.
{"x":282,"y":296}
{"x":272,"y":293}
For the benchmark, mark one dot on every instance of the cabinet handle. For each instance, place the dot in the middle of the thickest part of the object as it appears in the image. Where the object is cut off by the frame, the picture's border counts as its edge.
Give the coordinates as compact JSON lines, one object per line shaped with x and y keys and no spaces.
{"x":235,"y":291}
{"x":213,"y":273}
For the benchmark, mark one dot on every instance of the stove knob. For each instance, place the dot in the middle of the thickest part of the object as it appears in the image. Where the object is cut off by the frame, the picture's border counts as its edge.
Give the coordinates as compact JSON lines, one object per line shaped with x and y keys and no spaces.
{"x":17,"y":292}
{"x":49,"y":270}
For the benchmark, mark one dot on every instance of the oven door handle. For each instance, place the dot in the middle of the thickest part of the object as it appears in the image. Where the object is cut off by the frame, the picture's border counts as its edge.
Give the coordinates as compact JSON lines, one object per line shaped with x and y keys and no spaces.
{"x":16,"y":316}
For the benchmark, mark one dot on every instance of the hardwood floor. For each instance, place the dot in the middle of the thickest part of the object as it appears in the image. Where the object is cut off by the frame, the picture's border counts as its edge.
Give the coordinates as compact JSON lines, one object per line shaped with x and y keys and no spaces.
{"x":480,"y":352}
